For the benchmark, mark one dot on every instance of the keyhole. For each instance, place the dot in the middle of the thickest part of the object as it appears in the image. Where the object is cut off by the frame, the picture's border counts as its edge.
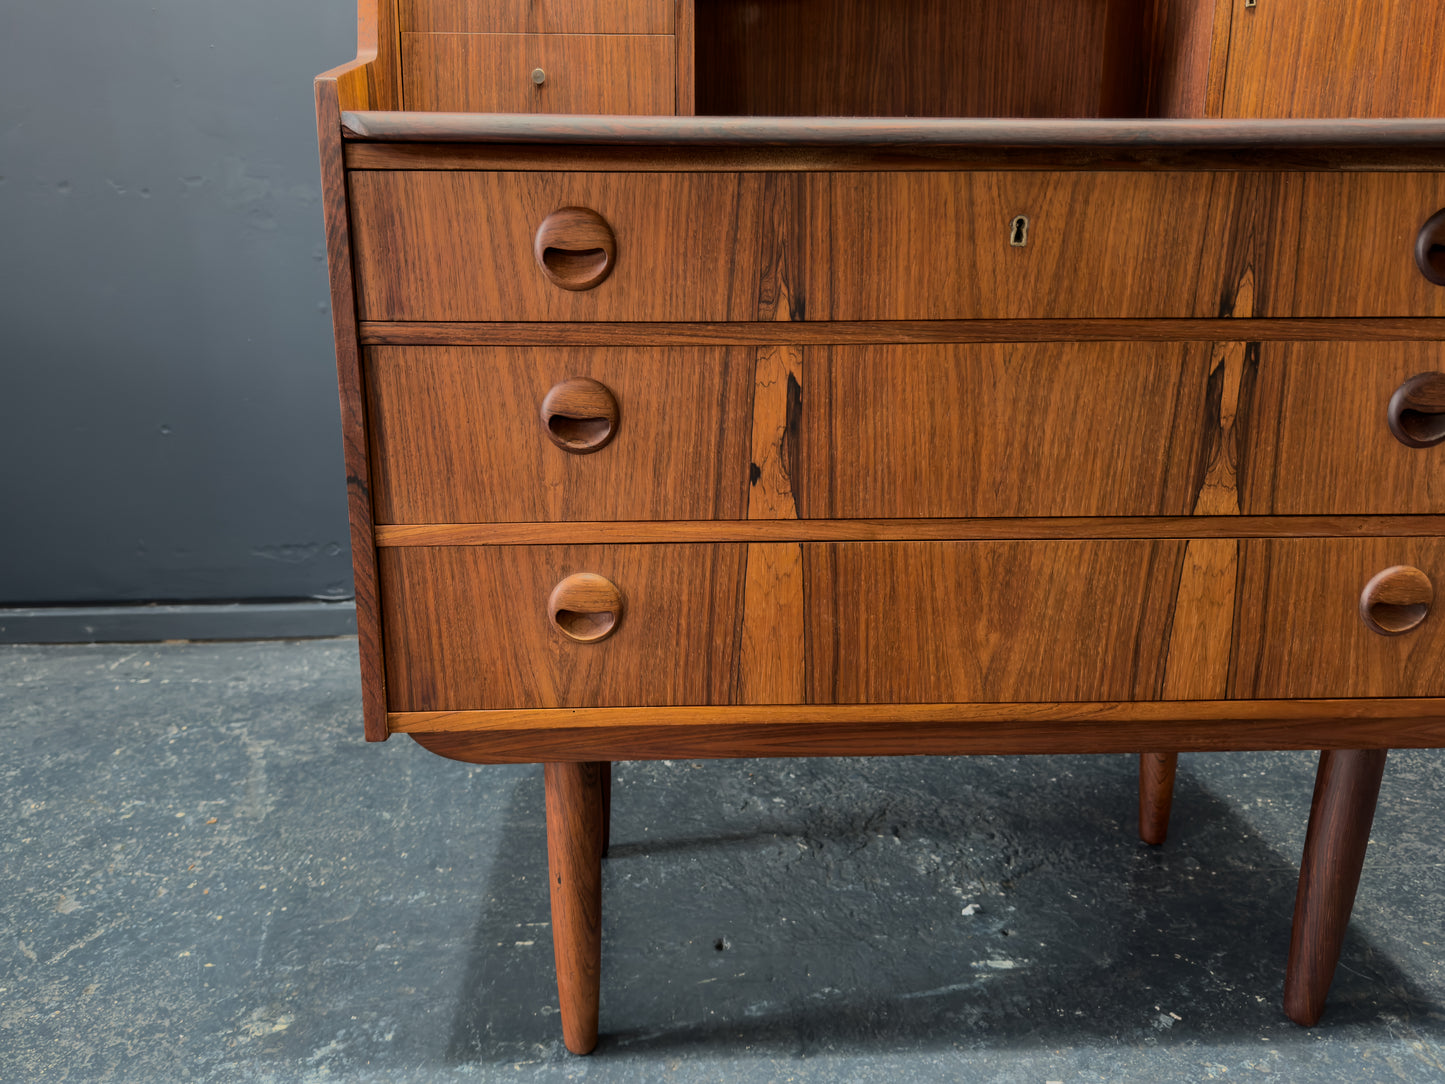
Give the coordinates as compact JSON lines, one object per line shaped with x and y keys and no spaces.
{"x":1019,"y":232}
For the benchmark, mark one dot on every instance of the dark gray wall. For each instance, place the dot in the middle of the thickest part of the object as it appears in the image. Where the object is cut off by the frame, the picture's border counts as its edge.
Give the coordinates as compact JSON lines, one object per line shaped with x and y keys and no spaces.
{"x":168,"y":417}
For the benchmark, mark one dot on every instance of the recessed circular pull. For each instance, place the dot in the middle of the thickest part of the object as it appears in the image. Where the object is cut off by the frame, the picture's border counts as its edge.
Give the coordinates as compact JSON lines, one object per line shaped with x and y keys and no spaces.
{"x":1430,"y":248}
{"x":576,"y":248}
{"x":1417,"y":411}
{"x":580,"y":415}
{"x":1396,"y":600}
{"x":586,"y":607}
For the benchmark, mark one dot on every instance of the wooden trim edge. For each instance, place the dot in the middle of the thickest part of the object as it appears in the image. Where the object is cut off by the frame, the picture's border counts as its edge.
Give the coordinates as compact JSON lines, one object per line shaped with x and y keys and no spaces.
{"x":919,"y":729}
{"x":844,"y":332}
{"x":906,"y":530}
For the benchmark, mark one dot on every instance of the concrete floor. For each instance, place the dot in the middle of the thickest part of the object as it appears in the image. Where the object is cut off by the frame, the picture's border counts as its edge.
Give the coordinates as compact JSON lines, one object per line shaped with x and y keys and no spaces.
{"x":209,"y":876}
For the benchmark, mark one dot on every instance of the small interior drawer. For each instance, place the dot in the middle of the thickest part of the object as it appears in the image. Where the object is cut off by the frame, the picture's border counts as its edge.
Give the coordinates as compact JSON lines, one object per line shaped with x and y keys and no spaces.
{"x":537,"y":16}
{"x":540,"y":73}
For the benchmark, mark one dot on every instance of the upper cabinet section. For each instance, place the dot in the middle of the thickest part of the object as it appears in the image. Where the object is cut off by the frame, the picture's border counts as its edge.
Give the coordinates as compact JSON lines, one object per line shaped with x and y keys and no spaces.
{"x":905,"y":58}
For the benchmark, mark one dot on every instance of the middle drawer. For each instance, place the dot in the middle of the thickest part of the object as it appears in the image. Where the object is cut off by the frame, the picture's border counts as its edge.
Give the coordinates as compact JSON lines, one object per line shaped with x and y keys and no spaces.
{"x":549,"y":434}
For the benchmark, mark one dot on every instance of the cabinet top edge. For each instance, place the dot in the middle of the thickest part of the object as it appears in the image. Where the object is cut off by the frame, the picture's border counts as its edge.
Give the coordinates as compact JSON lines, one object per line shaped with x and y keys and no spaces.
{"x":979,"y":132}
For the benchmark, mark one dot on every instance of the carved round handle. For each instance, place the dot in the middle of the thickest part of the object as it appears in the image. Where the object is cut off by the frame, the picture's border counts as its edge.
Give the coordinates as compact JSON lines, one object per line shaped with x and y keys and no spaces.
{"x":1417,"y":411}
{"x":576,"y":248}
{"x":1396,"y":600}
{"x":1430,"y":248}
{"x":580,"y":415}
{"x":586,"y":607}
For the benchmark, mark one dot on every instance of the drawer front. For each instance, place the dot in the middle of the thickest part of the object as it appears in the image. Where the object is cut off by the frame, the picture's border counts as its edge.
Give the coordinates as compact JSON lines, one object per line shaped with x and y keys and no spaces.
{"x":1299,"y":632}
{"x":470,"y":627}
{"x":1318,"y":424}
{"x":581,"y":73}
{"x":476,"y":434}
{"x":1114,"y":429}
{"x":1050,"y":621}
{"x":904,"y":245}
{"x":537,"y":16}
{"x":460,"y":245}
{"x":927,"y":622}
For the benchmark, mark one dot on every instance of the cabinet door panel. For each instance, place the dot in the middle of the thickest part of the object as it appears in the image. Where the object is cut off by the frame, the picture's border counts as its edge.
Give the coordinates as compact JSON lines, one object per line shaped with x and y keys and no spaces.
{"x":1332,"y":58}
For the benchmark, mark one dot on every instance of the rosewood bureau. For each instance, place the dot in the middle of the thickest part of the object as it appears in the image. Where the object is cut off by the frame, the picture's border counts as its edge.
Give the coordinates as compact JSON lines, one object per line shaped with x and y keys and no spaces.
{"x":728,"y":378}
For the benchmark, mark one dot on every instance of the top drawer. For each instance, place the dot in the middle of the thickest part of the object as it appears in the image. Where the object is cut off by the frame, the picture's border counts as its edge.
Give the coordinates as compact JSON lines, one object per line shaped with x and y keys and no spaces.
{"x":450,"y":245}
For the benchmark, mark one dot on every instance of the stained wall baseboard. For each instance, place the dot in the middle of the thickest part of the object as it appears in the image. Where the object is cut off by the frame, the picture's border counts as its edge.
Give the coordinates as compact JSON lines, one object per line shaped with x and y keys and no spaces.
{"x":154,"y":622}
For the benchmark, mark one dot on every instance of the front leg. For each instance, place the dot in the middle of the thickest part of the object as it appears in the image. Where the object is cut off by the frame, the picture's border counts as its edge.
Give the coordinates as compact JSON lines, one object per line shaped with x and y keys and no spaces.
{"x":574,"y":868}
{"x":1346,"y":788}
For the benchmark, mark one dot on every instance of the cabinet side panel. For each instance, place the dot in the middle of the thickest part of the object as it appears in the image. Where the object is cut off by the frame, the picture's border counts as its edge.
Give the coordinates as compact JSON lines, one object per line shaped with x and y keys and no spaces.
{"x":353,"y":410}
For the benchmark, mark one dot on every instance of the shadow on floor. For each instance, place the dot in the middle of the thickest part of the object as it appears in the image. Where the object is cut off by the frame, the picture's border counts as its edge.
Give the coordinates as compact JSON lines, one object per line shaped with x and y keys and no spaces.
{"x":796,"y":906}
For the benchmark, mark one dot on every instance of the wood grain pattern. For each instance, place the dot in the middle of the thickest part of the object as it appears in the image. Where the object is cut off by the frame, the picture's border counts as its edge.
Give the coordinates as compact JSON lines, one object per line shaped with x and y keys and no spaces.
{"x":469,"y":627}
{"x":1181,"y":46}
{"x":456,"y":246}
{"x":575,"y":813}
{"x":685,"y":38}
{"x":1347,"y":786}
{"x":1201,"y":633}
{"x":353,"y":411}
{"x":1319,"y":439}
{"x":777,"y":416}
{"x":774,"y":626}
{"x":457,"y":435}
{"x":983,"y":621}
{"x":584,"y":73}
{"x":1298,"y":632}
{"x":923,"y":58}
{"x":1297,"y":58}
{"x":926,"y":729}
{"x":902,"y":530}
{"x":538,"y":16}
{"x":1057,"y":429}
{"x":835,"y":332}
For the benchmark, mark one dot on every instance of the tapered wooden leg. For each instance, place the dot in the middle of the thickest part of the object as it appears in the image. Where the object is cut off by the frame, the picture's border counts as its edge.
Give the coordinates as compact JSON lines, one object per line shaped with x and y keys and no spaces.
{"x":574,"y":868}
{"x":1156,"y":795}
{"x":1346,"y":788}
{"x":606,"y":766}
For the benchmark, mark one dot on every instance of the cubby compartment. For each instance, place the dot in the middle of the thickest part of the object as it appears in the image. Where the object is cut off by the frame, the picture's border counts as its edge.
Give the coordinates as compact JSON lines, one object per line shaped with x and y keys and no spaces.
{"x":941,"y":58}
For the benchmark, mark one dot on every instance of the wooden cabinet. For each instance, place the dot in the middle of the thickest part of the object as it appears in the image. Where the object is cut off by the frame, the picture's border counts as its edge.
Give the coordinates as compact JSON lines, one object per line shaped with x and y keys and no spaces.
{"x":923,"y":378}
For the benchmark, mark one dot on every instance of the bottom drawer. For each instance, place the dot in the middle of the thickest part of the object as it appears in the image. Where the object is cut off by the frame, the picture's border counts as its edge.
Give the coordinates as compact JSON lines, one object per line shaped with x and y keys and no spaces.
{"x":1071,"y":620}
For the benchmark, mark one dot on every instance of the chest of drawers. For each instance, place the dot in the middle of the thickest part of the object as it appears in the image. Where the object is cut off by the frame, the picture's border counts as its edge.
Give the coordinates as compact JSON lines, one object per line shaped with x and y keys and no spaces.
{"x":780,"y":434}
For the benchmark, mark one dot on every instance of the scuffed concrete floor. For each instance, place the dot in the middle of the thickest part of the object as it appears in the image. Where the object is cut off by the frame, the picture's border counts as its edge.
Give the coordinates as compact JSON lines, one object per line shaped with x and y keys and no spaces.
{"x":209,"y":876}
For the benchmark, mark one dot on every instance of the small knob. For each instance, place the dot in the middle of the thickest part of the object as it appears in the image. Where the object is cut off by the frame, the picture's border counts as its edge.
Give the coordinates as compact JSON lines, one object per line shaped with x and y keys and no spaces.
{"x":580,"y":415}
{"x":539,"y":76}
{"x":575,"y":248}
{"x":585,"y":607}
{"x":1417,"y":411}
{"x":1430,"y":248}
{"x":1396,"y":600}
